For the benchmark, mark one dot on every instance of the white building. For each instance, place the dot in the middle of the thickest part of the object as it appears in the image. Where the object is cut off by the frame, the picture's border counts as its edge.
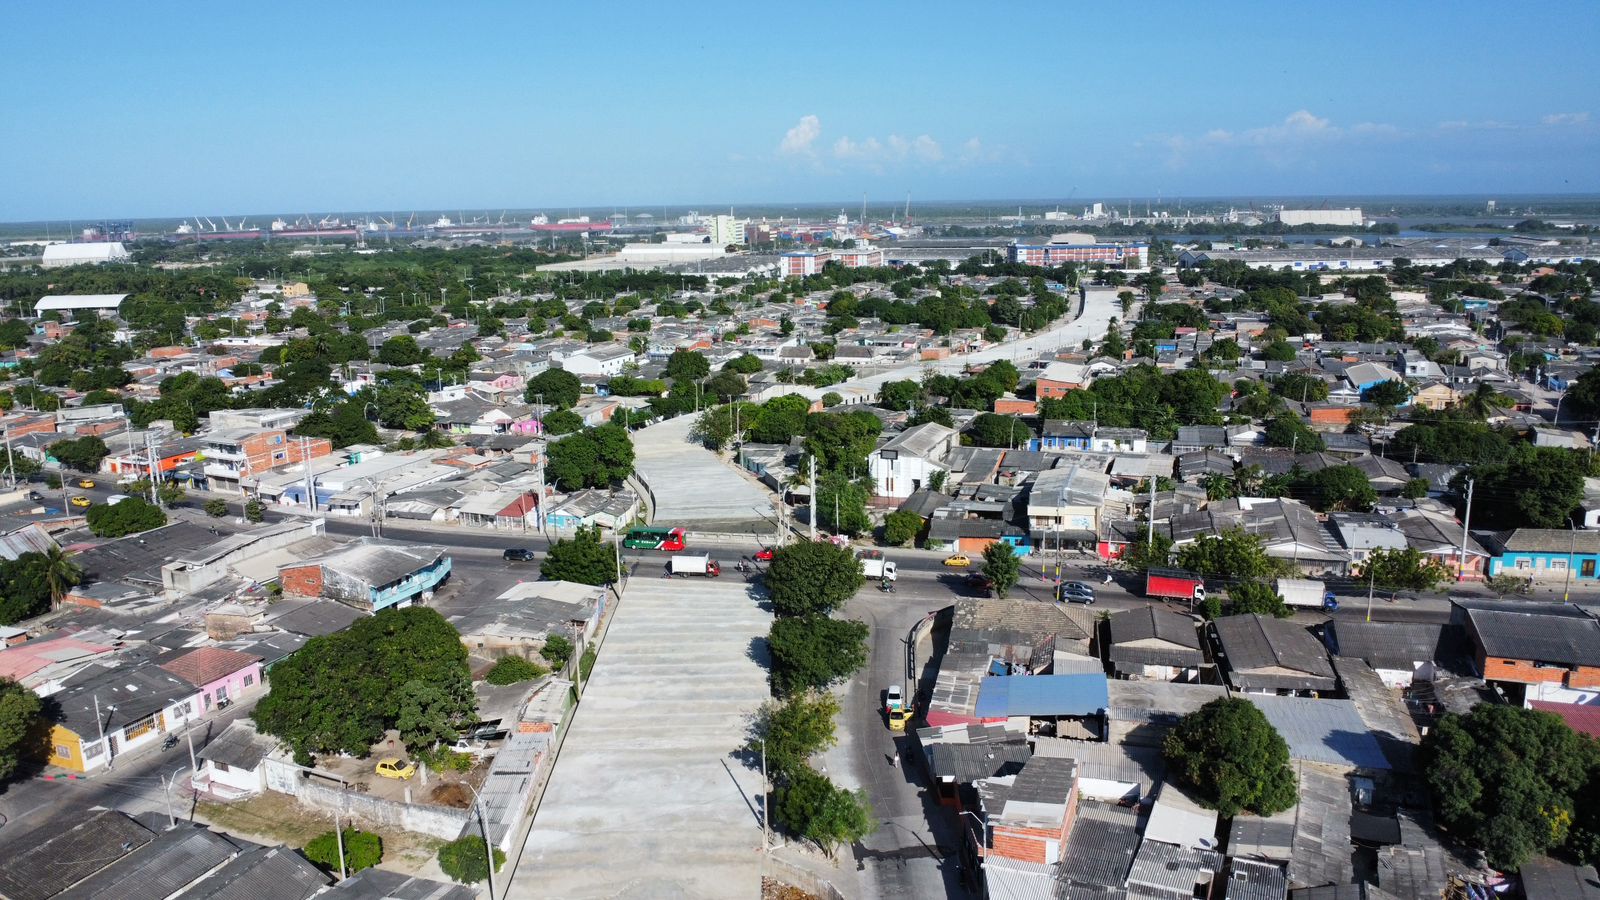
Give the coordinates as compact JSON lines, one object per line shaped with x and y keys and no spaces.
{"x":234,"y":764}
{"x":599,"y":359}
{"x":725,"y":230}
{"x":103,"y":303}
{"x":58,"y":255}
{"x":1343,"y":217}
{"x":906,"y":464}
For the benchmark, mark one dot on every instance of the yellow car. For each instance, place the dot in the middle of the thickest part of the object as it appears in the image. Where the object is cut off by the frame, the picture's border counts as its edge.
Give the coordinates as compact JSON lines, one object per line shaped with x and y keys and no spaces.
{"x":81,"y":502}
{"x":898,"y":718}
{"x":86,"y":483}
{"x":958,"y":561}
{"x":395,"y":768}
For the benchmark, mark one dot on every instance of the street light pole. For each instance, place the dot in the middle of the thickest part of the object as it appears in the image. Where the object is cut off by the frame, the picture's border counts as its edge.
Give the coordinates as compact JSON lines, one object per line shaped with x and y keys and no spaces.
{"x":1572,"y":551}
{"x":166,"y":790}
{"x":488,"y":848}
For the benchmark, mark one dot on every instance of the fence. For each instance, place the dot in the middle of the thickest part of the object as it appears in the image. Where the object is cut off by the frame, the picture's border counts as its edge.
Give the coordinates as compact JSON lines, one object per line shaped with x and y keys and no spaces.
{"x":422,"y":818}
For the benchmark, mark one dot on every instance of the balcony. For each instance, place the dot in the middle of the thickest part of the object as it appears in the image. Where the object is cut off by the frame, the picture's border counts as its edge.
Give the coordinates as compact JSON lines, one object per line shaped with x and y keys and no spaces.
{"x":225,"y":472}
{"x":228,"y":452}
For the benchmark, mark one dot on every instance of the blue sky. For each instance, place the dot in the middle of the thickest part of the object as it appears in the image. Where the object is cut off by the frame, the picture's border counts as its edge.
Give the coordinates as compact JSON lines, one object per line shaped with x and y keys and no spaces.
{"x":167,"y":109}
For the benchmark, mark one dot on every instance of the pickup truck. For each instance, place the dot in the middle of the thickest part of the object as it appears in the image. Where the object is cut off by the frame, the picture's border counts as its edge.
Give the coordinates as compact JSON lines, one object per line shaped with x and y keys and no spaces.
{"x":1174,"y":584}
{"x":682,"y":566}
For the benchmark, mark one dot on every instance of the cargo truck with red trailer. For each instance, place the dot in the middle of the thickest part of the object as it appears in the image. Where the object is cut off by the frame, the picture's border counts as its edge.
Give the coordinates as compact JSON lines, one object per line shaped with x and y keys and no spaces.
{"x":1174,"y":584}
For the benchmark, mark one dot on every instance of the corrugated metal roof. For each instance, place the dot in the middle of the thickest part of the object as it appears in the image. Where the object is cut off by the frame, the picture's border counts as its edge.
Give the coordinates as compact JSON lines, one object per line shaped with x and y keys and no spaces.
{"x":1042,"y":695}
{"x":1101,"y":846}
{"x":1252,"y":880}
{"x":1170,"y":872}
{"x":1323,"y":731}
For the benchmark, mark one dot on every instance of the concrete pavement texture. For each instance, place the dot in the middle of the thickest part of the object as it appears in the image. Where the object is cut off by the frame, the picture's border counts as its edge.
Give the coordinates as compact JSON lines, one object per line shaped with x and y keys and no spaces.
{"x":694,"y":488}
{"x":651,"y":796}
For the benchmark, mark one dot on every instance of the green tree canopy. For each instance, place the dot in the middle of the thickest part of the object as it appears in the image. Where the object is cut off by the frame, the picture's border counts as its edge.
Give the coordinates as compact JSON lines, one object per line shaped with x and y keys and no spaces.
{"x":1336,"y":488}
{"x":1231,"y":759}
{"x":900,"y":395}
{"x":20,"y":726}
{"x":1406,"y":569}
{"x":127,"y":517}
{"x":362,"y":850}
{"x":794,"y":729}
{"x":583,"y":559}
{"x":901,"y":527}
{"x":1513,"y":781}
{"x":32,"y":581}
{"x":812,"y":577}
{"x":814,"y":651}
{"x":466,"y":859}
{"x":810,"y":806}
{"x":561,"y":421}
{"x":841,"y":505}
{"x":1231,"y":554}
{"x":1002,"y":567}
{"x":1536,"y":487}
{"x":991,"y":430}
{"x":83,"y":454}
{"x":554,"y":387}
{"x":401,"y":350}
{"x":514,"y":670}
{"x":595,"y":457}
{"x":687,"y":365}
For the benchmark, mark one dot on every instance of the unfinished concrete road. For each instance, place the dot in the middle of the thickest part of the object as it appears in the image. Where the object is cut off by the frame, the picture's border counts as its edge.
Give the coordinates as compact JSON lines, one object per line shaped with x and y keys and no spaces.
{"x":695,"y":489}
{"x":650,"y":796}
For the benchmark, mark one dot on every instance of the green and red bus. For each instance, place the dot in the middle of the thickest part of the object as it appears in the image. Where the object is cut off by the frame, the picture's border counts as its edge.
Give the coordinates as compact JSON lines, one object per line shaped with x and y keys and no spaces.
{"x":654,"y":537}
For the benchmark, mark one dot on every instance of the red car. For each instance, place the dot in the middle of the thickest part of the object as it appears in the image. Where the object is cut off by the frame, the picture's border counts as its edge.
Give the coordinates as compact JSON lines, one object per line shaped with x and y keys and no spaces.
{"x":764,"y":554}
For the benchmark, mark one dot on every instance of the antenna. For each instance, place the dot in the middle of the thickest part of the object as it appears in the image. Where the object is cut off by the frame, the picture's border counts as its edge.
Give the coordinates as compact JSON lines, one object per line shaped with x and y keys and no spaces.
{"x":908,"y":206}
{"x":863,"y":209}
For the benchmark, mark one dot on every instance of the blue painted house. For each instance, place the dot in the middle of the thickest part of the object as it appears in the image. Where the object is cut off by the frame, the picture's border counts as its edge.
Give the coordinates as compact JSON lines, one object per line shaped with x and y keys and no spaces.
{"x":1061,"y":435}
{"x":371,"y":575}
{"x":1545,"y":554}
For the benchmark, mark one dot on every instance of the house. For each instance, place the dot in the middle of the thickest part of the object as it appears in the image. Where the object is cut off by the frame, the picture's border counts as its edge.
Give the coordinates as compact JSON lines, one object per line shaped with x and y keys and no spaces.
{"x":1399,"y":652}
{"x":1154,"y":643}
{"x":1063,"y":435}
{"x":371,"y":575}
{"x":1362,"y":533}
{"x":1029,"y":814}
{"x":596,"y":359}
{"x":1435,"y":395}
{"x":1365,"y":375}
{"x":907,"y":462}
{"x":1440,"y":538}
{"x":1060,"y":377}
{"x":1192,"y":438}
{"x":105,"y":711}
{"x":1549,"y":651}
{"x":513,"y":510}
{"x":605,"y":509}
{"x":231,"y":454}
{"x":521,"y":619}
{"x":1259,"y":654}
{"x":222,"y":676}
{"x":1064,"y":503}
{"x":232,"y":764}
{"x":1544,"y":553}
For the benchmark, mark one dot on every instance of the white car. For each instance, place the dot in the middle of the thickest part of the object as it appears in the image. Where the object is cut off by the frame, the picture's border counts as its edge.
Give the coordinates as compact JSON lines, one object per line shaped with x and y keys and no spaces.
{"x":114,"y":499}
{"x":893,"y":698}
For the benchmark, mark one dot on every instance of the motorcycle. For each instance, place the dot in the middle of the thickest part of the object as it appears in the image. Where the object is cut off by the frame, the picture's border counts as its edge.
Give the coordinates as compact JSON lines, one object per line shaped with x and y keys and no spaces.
{"x":886,"y":587}
{"x":169,"y":743}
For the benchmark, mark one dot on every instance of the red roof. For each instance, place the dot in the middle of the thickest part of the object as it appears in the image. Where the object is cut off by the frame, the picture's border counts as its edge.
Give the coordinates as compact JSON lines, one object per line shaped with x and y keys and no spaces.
{"x":207,"y":664}
{"x":1582,"y":719}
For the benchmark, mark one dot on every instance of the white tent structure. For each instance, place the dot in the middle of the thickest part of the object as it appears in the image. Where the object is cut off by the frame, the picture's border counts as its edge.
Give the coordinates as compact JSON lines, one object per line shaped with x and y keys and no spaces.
{"x":101,"y":302}
{"x":58,"y":255}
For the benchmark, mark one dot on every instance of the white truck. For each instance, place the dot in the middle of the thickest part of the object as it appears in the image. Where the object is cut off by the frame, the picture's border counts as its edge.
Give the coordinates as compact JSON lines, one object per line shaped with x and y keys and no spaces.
{"x":683,"y":565}
{"x":879,"y":568}
{"x":1306,"y":593}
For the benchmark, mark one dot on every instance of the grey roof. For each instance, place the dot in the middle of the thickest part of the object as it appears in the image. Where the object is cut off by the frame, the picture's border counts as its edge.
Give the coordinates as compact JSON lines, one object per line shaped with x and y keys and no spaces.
{"x":966,"y":763}
{"x":1263,"y":837}
{"x":1151,"y":623}
{"x":1321,"y":830}
{"x":1358,"y":891}
{"x":240,"y":746}
{"x":173,"y":860}
{"x":1545,"y":540}
{"x":1038,"y":797}
{"x":1384,"y":713}
{"x":381,"y":884}
{"x":922,"y":441}
{"x":993,"y":621}
{"x":312,"y":618}
{"x":1548,"y":879}
{"x":126,"y":694}
{"x":1322,"y":731}
{"x":262,"y":873}
{"x":1396,"y":645}
{"x":378,"y":562}
{"x":1545,"y":632}
{"x":1269,"y":654}
{"x":48,"y":860}
{"x":1253,"y":880}
{"x":1163,"y":871}
{"x":1419,"y":865}
{"x":1101,"y":846}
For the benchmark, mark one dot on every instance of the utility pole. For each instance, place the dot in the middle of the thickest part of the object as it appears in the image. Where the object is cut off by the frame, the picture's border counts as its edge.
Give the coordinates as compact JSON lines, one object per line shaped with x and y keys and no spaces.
{"x":1572,"y":552}
{"x":813,"y":503}
{"x":1466,"y":518}
{"x":338,"y":836}
{"x":311,"y":489}
{"x":1372,"y":574}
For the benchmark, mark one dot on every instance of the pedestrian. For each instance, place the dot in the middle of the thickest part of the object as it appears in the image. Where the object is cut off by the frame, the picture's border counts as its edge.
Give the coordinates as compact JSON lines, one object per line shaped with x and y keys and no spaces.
{"x":894,"y":761}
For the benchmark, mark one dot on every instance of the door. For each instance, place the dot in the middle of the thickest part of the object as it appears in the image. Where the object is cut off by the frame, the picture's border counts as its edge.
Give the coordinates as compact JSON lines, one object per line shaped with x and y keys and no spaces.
{"x":1587,"y":571}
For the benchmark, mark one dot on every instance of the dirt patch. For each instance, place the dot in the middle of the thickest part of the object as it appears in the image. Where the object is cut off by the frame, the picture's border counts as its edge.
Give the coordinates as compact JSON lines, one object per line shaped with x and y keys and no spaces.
{"x":451,"y":794}
{"x":279,"y":819}
{"x":772,"y":889}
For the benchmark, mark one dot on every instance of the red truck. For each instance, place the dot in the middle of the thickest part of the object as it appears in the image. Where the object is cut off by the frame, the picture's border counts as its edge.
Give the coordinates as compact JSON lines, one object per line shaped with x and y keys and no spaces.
{"x":1174,"y":584}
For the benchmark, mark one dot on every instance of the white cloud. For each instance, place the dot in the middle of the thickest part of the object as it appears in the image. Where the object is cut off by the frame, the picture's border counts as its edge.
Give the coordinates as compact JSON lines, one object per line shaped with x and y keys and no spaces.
{"x":1571,"y":118}
{"x":797,"y":141}
{"x":892,"y":149}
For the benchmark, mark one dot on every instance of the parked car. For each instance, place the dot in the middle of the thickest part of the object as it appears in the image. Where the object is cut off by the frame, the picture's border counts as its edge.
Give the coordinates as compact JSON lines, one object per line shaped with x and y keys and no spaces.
{"x":959,"y":561}
{"x":519,"y":554}
{"x":893,"y":698}
{"x":1077,"y":592}
{"x":979,"y":580}
{"x":35,"y":497}
{"x":114,"y":499}
{"x":898,"y":718}
{"x":81,"y":502}
{"x":393,"y":767}
{"x":86,"y":483}
{"x":764,"y":554}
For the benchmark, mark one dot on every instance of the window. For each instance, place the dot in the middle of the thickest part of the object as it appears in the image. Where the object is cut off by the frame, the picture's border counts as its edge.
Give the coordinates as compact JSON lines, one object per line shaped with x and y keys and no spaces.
{"x":63,"y":751}
{"x":1559,"y":565}
{"x":1522,"y":564}
{"x":94,"y":750}
{"x":219,"y":766}
{"x":249,"y":680}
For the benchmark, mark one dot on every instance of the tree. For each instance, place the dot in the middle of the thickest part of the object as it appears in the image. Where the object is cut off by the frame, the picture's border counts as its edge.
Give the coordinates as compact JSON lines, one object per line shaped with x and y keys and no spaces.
{"x":1406,"y":569}
{"x":746,"y":364}
{"x":341,"y":691}
{"x":687,"y":365}
{"x":1337,"y":488}
{"x":1541,"y":487}
{"x":1484,"y":402}
{"x":466,"y":859}
{"x":596,"y":457}
{"x":725,"y":385}
{"x":400,"y":406}
{"x":561,"y":421}
{"x":401,"y":350}
{"x":1510,"y":781}
{"x":20,"y":721}
{"x":514,"y":670}
{"x":362,"y":850}
{"x":1278,"y":351}
{"x":794,"y":729}
{"x":1232,"y":554}
{"x":1416,"y":489}
{"x":814,"y":651}
{"x":34,"y":582}
{"x":557,"y":650}
{"x":841,"y":505}
{"x":1300,"y":386}
{"x":127,"y":517}
{"x":810,"y":806}
{"x":812,"y":577}
{"x":901,"y":527}
{"x":900,"y":395}
{"x":584,"y":559}
{"x":1288,"y":430}
{"x":1232,"y":759}
{"x":83,"y":454}
{"x":427,"y":716}
{"x":778,"y":420}
{"x":254,"y":511}
{"x":1145,"y":554}
{"x":1386,"y":394}
{"x":1001,"y":566}
{"x":554,"y":387}
{"x":1254,"y":597}
{"x":216,"y":507}
{"x":991,"y":430}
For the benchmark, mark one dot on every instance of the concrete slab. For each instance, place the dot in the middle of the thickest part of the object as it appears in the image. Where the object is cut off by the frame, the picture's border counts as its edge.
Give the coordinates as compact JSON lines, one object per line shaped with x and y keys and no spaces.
{"x":648,"y":797}
{"x":692,"y":486}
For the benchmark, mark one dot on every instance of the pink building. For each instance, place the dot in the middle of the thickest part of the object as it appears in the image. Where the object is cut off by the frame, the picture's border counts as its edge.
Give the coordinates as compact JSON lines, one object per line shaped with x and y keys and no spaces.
{"x":222,"y":676}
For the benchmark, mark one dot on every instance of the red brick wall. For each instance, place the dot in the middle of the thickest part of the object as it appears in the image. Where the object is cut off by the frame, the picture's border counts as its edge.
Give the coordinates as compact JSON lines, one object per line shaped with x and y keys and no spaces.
{"x":1044,"y":388}
{"x":1585,"y":677}
{"x":1497,"y":669}
{"x":1010,"y":407}
{"x":302,"y":581}
{"x":1018,"y":844}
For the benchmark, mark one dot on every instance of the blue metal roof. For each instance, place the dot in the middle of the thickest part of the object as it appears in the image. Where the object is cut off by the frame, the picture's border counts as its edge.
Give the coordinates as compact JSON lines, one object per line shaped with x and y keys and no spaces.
{"x":1042,"y":695}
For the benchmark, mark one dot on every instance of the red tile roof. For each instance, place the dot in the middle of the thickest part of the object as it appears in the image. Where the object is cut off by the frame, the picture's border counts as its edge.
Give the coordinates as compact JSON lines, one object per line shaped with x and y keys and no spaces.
{"x":207,"y":664}
{"x":1582,"y":719}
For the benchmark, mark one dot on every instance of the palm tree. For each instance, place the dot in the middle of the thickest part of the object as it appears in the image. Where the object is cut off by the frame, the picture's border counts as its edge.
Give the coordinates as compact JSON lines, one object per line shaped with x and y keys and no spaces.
{"x":60,"y":573}
{"x":1484,"y":402}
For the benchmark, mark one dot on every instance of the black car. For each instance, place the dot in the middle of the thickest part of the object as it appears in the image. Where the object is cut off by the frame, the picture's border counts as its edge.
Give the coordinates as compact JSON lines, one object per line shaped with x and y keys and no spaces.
{"x":519,"y":554}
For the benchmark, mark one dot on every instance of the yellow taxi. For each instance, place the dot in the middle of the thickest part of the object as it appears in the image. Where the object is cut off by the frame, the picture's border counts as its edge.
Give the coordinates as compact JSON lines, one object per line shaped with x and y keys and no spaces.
{"x":86,"y":483}
{"x":898,"y":718}
{"x":959,"y":561}
{"x":395,"y":768}
{"x":81,"y":502}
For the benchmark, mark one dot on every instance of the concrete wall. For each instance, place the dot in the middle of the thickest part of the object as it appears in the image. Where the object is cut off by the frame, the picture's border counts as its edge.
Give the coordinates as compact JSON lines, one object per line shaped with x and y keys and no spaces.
{"x":423,"y":818}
